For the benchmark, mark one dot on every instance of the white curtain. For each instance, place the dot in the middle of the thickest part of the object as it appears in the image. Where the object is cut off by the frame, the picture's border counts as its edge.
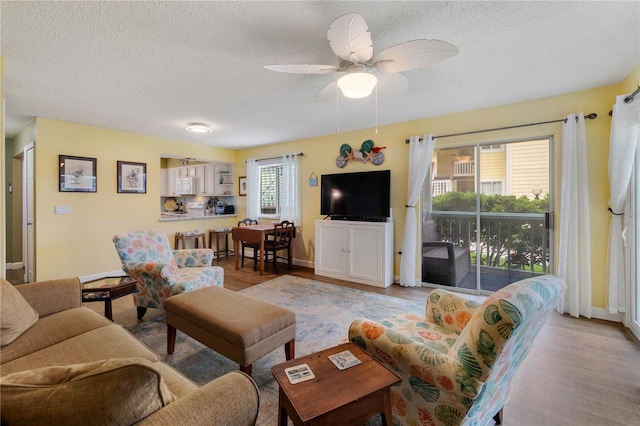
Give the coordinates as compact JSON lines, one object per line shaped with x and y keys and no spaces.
{"x":419,"y":162}
{"x":290,"y":197}
{"x":625,"y":129}
{"x":253,"y":188}
{"x":574,"y":257}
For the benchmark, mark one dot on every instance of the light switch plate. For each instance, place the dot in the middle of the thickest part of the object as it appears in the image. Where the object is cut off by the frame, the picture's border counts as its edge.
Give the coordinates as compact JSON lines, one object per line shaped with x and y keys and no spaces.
{"x":63,"y":209}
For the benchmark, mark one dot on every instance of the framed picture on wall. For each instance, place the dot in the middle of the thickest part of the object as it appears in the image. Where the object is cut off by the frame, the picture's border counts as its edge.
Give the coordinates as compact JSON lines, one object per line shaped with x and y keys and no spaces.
{"x":77,"y":174}
{"x":132,"y":178}
{"x":242,"y":186}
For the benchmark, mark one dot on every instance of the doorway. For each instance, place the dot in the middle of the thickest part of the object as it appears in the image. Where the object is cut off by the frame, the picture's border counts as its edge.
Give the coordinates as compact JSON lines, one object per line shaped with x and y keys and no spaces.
{"x":28,"y":213}
{"x":493,"y":203}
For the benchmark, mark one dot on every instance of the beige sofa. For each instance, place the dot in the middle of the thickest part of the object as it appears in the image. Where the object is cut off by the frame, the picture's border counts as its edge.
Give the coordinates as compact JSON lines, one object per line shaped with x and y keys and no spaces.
{"x":71,"y":365}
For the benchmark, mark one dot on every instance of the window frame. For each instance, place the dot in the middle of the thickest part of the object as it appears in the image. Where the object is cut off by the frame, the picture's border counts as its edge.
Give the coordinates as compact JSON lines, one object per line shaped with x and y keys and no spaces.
{"x":501,"y":182}
{"x":492,"y":147}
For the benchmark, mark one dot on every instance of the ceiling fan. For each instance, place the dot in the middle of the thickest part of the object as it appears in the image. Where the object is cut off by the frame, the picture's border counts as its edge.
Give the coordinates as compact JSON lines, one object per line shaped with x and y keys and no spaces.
{"x":350,"y":40}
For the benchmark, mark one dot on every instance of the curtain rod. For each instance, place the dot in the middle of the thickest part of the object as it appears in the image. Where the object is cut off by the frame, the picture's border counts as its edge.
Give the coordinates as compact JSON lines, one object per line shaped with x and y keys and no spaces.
{"x":591,"y":116}
{"x":628,"y":99}
{"x":301,"y":154}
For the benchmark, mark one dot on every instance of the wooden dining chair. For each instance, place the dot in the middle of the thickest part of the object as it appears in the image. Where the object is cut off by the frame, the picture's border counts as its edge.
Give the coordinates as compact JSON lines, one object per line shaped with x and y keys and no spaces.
{"x":256,"y":247}
{"x":280,"y":240}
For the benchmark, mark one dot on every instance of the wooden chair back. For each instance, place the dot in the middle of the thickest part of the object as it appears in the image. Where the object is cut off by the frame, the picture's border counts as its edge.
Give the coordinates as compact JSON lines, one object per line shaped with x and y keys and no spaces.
{"x":283,"y":233}
{"x":247,"y":221}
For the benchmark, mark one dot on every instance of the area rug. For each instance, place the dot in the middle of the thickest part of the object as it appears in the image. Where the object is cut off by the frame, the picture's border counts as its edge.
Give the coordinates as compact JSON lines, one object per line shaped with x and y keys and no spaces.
{"x":323,"y":315}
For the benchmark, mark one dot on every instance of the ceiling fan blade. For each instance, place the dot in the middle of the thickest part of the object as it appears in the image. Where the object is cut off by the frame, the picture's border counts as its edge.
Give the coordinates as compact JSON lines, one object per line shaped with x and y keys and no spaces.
{"x":392,"y":84}
{"x":303,"y":68}
{"x":413,"y":54}
{"x":350,"y":39}
{"x":328,"y":92}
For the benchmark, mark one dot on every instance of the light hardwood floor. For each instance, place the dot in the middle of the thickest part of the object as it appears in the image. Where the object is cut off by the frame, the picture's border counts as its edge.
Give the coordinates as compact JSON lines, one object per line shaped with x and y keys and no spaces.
{"x":579,"y":372}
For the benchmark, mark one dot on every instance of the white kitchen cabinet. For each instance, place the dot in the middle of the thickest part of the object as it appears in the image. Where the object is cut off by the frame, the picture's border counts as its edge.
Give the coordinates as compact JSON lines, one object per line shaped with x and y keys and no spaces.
{"x":171,"y":178}
{"x":204,"y":182}
{"x":355,"y":251}
{"x":189,"y":171}
{"x":209,"y":176}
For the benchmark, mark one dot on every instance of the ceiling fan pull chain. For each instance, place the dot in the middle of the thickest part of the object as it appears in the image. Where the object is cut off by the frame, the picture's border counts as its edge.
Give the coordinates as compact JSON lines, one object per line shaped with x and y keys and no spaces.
{"x":337,"y":109}
{"x":376,"y":109}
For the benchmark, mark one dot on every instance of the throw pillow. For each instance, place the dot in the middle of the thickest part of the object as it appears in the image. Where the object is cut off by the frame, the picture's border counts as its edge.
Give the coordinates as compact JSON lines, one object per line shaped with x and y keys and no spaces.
{"x":114,"y":391}
{"x":16,"y":315}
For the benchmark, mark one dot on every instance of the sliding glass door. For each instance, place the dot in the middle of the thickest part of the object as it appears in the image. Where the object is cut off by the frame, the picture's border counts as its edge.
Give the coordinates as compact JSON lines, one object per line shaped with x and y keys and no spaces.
{"x":488,"y":207}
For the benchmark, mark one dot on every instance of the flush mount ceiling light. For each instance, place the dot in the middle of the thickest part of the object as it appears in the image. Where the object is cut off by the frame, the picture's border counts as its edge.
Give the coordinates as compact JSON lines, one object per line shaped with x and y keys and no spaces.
{"x":357,"y":84}
{"x":197,"y":128}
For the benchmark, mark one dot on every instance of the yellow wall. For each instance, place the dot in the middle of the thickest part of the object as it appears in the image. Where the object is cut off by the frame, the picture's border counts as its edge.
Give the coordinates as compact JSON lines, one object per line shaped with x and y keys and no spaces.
{"x":320,"y":154}
{"x":80,"y":243}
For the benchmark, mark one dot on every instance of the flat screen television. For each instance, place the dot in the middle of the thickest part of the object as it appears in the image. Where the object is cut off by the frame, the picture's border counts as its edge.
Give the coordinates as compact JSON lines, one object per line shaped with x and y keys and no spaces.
{"x":356,"y":196}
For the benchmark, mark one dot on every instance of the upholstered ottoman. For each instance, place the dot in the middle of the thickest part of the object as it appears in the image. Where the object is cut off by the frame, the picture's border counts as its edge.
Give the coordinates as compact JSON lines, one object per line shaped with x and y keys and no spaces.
{"x":239,"y":327}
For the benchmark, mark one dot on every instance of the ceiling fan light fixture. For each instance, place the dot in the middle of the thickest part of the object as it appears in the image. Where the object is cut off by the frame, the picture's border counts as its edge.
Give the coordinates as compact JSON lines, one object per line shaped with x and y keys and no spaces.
{"x":197,"y":128}
{"x":357,"y":85}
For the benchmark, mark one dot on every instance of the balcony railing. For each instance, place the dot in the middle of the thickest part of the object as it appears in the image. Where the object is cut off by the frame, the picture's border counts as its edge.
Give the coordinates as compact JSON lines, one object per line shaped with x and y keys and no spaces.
{"x":441,"y":186}
{"x":515,"y":243}
{"x":464,"y":168}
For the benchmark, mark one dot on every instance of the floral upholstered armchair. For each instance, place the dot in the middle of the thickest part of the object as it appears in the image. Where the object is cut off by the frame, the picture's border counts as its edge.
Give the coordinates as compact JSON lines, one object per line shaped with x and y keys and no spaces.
{"x":161,"y":272}
{"x":458,"y":362}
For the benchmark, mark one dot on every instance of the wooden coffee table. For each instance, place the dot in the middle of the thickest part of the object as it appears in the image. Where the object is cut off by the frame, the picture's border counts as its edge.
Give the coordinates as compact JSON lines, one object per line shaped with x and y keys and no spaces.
{"x":335,"y":396}
{"x":106,"y":290}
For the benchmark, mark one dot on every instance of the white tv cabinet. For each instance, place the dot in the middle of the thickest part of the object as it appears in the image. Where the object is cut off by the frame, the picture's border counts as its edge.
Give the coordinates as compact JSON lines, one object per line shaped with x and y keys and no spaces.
{"x":355,"y":251}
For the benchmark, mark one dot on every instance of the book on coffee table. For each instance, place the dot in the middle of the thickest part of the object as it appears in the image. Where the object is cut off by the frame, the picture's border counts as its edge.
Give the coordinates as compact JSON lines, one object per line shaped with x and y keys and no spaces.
{"x":344,"y":360}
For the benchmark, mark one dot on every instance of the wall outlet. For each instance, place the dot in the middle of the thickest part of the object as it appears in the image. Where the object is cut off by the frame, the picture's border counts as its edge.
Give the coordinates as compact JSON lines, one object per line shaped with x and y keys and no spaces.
{"x":63,"y":209}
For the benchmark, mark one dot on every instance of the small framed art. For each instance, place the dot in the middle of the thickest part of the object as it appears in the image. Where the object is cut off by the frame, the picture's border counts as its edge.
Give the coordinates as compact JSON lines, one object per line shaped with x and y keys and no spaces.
{"x":242,"y":186}
{"x":77,"y":174}
{"x":132,"y":178}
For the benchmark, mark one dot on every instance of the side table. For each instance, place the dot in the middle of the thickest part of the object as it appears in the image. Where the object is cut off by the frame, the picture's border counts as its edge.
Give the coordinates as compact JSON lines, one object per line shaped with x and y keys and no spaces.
{"x":217,"y":233}
{"x":106,"y":290}
{"x":333,"y":397}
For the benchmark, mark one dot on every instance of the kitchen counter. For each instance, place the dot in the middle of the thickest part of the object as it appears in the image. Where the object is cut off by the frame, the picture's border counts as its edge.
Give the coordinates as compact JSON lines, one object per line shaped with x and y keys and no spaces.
{"x":170,"y":217}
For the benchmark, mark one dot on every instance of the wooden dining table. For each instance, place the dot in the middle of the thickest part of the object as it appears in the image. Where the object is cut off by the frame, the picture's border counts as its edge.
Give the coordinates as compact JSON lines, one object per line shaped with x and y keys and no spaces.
{"x":254,"y":234}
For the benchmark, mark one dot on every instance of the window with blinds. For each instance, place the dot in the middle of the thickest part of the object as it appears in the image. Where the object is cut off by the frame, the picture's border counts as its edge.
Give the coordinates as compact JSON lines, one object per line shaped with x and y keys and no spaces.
{"x":270,"y":189}
{"x":491,"y":187}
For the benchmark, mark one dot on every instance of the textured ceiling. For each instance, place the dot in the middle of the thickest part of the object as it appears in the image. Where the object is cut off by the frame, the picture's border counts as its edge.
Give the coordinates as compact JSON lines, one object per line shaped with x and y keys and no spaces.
{"x":152,"y":67}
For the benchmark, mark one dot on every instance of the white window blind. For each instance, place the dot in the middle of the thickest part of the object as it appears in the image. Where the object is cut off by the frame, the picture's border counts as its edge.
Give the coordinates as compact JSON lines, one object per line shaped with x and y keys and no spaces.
{"x":491,"y":187}
{"x":270,"y":189}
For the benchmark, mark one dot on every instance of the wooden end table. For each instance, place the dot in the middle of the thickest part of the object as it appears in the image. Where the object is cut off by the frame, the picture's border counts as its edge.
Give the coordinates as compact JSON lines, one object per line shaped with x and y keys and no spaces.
{"x":335,"y":396}
{"x":106,"y":290}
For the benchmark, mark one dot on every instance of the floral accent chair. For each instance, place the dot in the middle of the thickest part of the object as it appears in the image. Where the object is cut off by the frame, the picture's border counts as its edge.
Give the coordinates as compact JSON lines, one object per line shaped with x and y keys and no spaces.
{"x":457,"y":363}
{"x":162,"y":272}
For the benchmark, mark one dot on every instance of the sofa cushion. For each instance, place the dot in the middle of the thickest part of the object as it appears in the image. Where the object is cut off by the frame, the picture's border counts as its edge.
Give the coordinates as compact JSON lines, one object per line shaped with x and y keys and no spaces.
{"x":107,"y":392}
{"x":111,"y":341}
{"x":16,"y":315}
{"x":178,"y":384}
{"x":53,"y":329}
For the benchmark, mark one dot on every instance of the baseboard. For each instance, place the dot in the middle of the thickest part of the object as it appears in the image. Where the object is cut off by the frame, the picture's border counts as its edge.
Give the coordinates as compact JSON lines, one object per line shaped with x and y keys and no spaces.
{"x":15,"y":265}
{"x":603,"y":314}
{"x":116,"y":273}
{"x":304,"y":263}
